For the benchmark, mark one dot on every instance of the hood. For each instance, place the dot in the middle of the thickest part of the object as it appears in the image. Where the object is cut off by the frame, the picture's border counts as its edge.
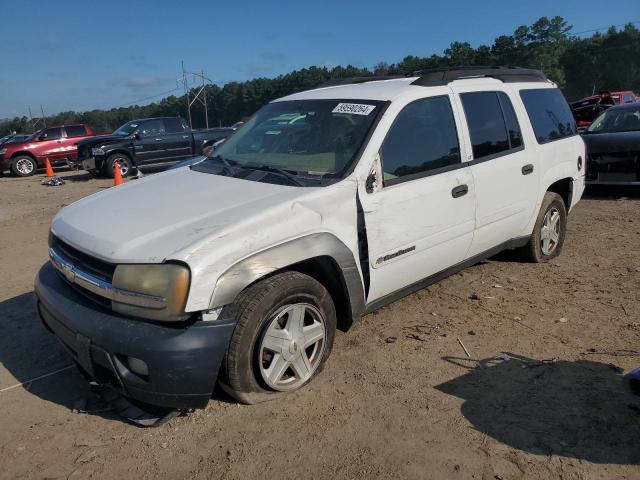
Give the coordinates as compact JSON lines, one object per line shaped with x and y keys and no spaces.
{"x":147,"y":220}
{"x":618,"y":142}
{"x":101,"y":139}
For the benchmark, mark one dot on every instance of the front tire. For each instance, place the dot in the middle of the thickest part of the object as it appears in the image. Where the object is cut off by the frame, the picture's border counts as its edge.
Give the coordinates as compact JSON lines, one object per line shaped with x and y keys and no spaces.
{"x":549,"y":232}
{"x":126,"y":166}
{"x":23,"y":166}
{"x":284,"y":334}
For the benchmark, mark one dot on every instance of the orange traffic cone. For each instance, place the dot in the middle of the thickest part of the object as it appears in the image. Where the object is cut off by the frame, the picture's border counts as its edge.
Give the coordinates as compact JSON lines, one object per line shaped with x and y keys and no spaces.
{"x":117,"y":175}
{"x":48,"y":168}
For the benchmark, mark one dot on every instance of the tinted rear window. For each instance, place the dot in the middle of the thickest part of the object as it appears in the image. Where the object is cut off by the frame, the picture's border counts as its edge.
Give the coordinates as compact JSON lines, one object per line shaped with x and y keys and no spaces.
{"x":75,"y":130}
{"x":486,"y":123}
{"x":511,"y":120}
{"x":549,"y":113}
{"x":173,"y":125}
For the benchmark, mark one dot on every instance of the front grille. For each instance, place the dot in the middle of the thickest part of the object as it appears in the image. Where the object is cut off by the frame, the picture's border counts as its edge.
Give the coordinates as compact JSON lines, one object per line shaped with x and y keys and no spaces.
{"x":87,"y":263}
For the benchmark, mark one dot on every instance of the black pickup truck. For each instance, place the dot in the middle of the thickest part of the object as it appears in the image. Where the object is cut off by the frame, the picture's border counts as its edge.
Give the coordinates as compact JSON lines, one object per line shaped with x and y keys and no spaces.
{"x":145,"y":142}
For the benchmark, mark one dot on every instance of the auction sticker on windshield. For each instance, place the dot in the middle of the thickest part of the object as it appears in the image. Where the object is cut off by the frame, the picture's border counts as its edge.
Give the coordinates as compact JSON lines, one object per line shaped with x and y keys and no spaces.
{"x":354,"y":108}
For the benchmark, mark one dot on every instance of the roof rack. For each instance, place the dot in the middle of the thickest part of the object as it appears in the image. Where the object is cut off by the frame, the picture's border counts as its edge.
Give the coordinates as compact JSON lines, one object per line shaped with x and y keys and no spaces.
{"x":351,"y":80}
{"x":443,"y":76}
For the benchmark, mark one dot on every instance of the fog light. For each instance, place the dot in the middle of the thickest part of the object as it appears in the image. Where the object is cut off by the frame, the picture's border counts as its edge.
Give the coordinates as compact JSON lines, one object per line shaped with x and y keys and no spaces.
{"x":138,"y":366}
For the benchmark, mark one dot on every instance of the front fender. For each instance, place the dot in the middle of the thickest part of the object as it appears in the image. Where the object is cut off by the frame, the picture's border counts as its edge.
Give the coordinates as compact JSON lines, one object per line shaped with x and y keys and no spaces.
{"x":247,"y":271}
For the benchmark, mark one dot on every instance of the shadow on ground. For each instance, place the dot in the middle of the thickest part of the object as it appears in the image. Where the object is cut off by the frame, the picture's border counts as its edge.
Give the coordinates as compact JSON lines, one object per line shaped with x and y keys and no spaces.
{"x":572,"y":409}
{"x":612,"y":192}
{"x":29,"y":351}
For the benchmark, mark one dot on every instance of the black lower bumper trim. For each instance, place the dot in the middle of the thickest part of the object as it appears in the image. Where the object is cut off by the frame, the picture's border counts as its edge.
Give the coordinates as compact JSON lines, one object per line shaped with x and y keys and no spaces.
{"x":183,"y":363}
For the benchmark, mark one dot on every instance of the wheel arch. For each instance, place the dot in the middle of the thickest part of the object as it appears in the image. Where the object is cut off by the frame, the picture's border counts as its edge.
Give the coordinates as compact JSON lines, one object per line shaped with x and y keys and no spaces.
{"x":24,"y":153}
{"x":322,"y":256}
{"x":564,"y":188}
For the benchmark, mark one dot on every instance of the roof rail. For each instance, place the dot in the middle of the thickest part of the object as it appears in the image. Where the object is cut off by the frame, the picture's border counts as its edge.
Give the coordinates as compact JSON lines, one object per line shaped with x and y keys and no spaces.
{"x":443,"y":76}
{"x":351,"y":80}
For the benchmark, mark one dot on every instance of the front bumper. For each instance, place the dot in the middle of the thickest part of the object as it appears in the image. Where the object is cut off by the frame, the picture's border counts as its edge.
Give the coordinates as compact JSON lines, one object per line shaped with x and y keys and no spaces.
{"x":183,"y":363}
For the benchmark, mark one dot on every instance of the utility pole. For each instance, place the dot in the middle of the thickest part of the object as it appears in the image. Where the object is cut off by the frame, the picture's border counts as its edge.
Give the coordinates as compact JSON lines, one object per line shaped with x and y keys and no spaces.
{"x":199,"y":96}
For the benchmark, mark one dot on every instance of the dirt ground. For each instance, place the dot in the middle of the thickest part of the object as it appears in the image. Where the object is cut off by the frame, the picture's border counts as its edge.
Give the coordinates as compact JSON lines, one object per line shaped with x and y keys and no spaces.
{"x":398,"y":399}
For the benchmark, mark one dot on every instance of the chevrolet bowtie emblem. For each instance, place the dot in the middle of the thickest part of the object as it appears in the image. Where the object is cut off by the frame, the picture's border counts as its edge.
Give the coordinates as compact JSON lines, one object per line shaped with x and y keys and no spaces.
{"x":67,"y":271}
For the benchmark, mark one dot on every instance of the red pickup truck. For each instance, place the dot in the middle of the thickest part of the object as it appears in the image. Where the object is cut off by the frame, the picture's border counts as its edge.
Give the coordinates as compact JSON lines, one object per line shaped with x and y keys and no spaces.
{"x":57,"y":143}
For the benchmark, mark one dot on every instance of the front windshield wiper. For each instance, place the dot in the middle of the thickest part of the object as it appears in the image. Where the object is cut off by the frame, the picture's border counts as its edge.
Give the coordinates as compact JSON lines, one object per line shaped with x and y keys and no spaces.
{"x":268,"y":168}
{"x":228,"y":166}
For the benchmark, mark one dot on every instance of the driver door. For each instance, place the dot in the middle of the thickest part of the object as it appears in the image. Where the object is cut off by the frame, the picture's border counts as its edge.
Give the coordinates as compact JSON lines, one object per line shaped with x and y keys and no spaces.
{"x":420,"y":220}
{"x":51,"y":145}
{"x":150,"y":147}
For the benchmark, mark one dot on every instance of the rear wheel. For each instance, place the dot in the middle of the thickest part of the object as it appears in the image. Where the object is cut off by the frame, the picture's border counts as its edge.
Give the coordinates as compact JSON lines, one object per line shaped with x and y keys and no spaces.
{"x":125,"y":165}
{"x":284,"y":335}
{"x":549,"y":232}
{"x":23,"y":166}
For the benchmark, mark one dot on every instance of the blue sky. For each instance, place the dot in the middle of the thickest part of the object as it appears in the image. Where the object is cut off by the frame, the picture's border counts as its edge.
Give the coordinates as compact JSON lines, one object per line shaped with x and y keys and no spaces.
{"x":72,"y":55}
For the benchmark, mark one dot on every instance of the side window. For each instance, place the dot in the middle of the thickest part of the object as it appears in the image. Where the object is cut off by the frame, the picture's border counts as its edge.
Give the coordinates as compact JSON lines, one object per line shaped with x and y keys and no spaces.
{"x":52,"y":133}
{"x":486,"y":123}
{"x":75,"y":130}
{"x":152,"y":127}
{"x":511,"y":120}
{"x":628,"y":98}
{"x":173,"y":125}
{"x":549,"y":113}
{"x":423,"y":138}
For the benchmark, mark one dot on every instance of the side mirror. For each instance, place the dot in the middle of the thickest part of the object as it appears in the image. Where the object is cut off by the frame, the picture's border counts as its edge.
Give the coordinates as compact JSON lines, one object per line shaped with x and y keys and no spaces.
{"x":136,"y":135}
{"x":42,"y":137}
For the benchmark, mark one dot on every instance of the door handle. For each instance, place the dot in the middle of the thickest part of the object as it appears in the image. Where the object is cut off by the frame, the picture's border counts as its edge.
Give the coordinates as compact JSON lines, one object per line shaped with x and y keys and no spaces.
{"x":527,"y":169}
{"x":185,"y":136}
{"x":459,"y":191}
{"x":158,"y":139}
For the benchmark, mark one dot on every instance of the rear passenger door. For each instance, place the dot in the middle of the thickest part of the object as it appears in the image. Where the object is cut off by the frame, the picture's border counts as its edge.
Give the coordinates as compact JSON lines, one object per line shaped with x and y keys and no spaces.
{"x":504,"y":172}
{"x":177,"y":139}
{"x":74,"y":133}
{"x":420,"y":218}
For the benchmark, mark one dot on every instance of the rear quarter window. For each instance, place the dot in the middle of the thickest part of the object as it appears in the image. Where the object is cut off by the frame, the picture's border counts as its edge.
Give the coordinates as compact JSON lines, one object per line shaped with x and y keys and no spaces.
{"x":549,"y":114}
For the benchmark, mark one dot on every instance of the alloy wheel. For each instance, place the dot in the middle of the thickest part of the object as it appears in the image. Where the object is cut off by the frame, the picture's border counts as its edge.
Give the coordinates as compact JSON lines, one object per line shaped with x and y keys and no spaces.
{"x":292,"y":346}
{"x":24,"y":166}
{"x":550,"y":231}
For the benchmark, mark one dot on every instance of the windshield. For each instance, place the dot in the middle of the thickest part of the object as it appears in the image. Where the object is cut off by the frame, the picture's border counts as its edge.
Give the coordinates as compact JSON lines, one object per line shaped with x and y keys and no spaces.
{"x":34,"y":135}
{"x":309,"y":138}
{"x":617,"y":120}
{"x":126,"y":129}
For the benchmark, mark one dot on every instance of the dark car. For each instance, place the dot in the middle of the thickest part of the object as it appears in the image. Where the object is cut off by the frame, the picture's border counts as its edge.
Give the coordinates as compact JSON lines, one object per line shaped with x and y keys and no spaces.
{"x":144,"y":143}
{"x":588,"y":109}
{"x":13,"y":138}
{"x":613,"y":146}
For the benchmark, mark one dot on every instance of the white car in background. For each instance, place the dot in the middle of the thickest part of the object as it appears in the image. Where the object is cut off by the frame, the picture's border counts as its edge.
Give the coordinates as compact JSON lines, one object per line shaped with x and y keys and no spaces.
{"x":237,"y":270}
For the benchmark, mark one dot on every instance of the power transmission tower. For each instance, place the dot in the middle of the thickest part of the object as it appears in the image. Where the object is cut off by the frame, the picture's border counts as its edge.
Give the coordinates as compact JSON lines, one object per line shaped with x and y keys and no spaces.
{"x":35,"y":121}
{"x":199,"y":96}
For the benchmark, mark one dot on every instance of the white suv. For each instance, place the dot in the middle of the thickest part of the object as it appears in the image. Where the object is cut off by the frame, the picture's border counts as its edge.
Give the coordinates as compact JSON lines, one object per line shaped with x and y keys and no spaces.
{"x":325,"y":205}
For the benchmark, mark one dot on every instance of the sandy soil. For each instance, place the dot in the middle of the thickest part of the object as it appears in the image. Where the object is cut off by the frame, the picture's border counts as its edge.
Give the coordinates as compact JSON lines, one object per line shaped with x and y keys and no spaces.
{"x":398,"y":399}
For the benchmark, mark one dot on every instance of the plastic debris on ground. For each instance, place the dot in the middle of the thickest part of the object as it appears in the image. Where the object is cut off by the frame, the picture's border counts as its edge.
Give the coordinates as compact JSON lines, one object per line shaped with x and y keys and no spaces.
{"x":53,"y":182}
{"x":104,"y":399}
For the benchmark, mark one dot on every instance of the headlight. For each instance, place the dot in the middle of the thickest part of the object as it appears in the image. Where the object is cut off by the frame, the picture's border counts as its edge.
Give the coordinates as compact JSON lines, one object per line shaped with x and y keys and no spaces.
{"x":97,"y":151}
{"x":3,"y":150}
{"x":169,"y":281}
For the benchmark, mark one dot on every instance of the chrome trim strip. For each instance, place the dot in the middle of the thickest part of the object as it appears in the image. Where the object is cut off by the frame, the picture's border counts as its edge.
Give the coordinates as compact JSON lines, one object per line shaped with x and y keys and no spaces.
{"x":98,"y":286}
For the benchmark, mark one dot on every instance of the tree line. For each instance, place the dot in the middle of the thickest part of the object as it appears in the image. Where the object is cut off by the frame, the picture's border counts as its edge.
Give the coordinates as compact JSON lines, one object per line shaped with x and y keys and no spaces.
{"x":580,"y":66}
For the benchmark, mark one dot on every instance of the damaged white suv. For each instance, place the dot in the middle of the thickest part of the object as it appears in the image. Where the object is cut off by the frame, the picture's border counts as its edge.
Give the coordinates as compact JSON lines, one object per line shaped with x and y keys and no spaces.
{"x":324,"y":206}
